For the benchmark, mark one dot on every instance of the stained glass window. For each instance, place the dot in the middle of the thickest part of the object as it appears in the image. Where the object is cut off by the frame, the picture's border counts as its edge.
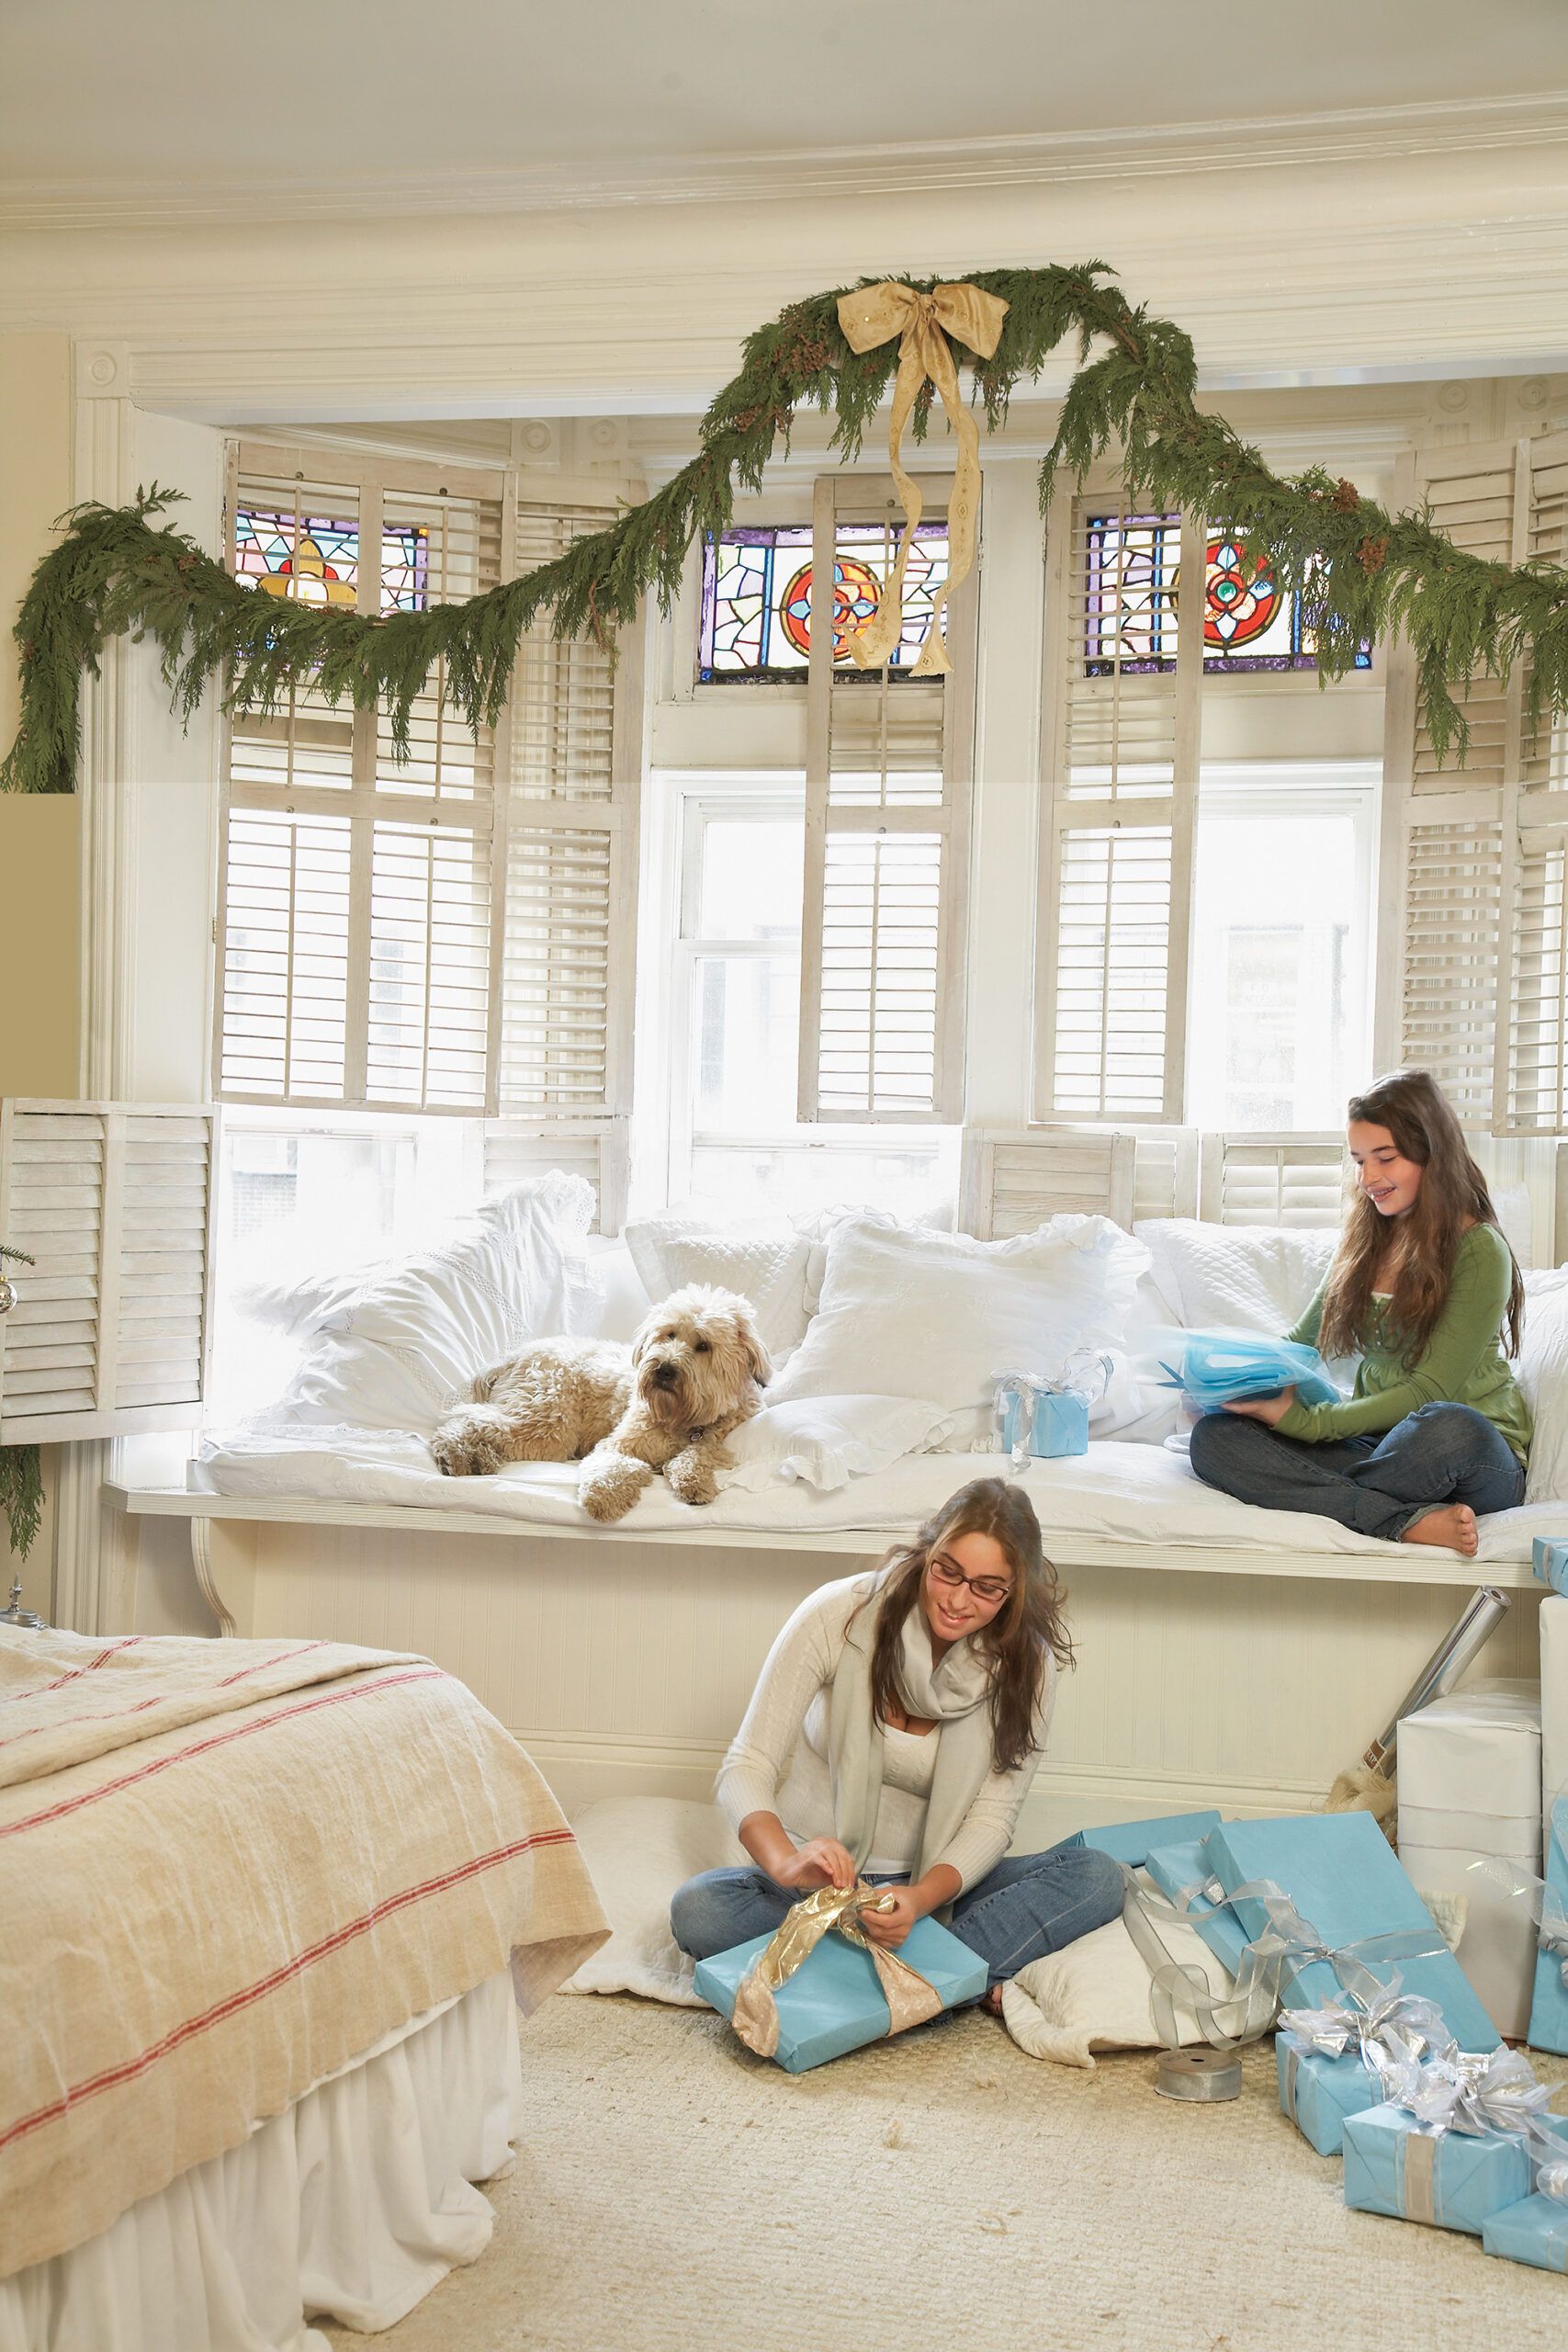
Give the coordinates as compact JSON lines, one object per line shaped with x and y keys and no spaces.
{"x":1133,"y":603}
{"x":756,"y":609}
{"x":316,"y":560}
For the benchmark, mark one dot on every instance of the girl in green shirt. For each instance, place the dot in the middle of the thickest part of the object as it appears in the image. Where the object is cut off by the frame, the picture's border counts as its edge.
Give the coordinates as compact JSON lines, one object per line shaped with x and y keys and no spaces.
{"x":1425,"y":1288}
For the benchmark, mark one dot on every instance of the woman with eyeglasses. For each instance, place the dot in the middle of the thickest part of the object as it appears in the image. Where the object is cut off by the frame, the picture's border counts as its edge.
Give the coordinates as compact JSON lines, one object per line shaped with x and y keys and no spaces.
{"x":892,"y":1736}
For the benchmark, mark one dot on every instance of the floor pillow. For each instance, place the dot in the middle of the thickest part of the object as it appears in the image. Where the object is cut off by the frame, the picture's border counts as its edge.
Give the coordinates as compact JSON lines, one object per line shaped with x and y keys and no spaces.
{"x":1094,"y":1995}
{"x":638,"y":1851}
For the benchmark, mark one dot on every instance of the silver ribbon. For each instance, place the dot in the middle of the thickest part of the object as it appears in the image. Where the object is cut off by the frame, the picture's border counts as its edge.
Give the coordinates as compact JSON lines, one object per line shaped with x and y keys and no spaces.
{"x":1475,"y":2093}
{"x":1085,"y":1373}
{"x":1390,"y":2035}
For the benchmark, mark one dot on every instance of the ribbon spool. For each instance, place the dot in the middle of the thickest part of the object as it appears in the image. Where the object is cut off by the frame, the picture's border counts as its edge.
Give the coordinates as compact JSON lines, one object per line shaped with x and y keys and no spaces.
{"x":1204,"y":2074}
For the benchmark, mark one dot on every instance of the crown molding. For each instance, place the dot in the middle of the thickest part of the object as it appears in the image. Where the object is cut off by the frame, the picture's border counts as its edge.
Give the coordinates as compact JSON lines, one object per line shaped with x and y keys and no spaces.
{"x":1046,"y":159}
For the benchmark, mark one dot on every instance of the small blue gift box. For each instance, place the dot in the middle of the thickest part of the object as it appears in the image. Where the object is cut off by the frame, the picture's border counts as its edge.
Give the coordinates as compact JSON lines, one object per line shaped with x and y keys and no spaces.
{"x":1318,"y":2092}
{"x":1452,"y":2180}
{"x":1173,"y":1868}
{"x":1058,"y":1422}
{"x":1130,"y":1841}
{"x":1550,"y":1553}
{"x":834,"y":2001}
{"x":1341,"y":1873}
{"x":1534,"y":2231}
{"x":1549,"y":2005}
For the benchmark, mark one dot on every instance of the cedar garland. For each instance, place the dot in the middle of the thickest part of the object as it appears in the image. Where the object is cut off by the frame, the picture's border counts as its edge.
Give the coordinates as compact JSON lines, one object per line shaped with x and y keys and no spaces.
{"x":1362,"y":571}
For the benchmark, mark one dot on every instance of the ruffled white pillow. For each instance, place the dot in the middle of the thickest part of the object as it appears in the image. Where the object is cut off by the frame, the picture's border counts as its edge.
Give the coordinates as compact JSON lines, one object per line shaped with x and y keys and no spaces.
{"x":824,"y":1441}
{"x":1237,"y":1277}
{"x":1542,"y":1373}
{"x":1094,"y":1995}
{"x":401,"y":1348}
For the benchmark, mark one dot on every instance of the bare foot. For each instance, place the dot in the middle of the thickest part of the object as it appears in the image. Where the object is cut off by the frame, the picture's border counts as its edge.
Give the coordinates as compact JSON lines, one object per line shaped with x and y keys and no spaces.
{"x":1453,"y":1528}
{"x":992,"y":2003}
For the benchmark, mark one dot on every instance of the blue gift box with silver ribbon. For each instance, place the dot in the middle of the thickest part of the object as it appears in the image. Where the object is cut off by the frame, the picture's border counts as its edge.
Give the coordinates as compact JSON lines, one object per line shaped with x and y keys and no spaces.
{"x":1182,"y":1876}
{"x":1453,"y":2180}
{"x":1549,"y":2002}
{"x":1131,"y":1841}
{"x":1056,"y":1423}
{"x":1351,"y":2054}
{"x":1550,"y":1554}
{"x":1535,"y":2230}
{"x":1317,"y":2092}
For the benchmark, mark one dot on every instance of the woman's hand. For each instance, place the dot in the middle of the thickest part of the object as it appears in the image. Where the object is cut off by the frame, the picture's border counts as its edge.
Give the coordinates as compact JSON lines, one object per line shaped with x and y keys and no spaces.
{"x":821,"y":1861}
{"x":1267,"y":1410}
{"x":889,"y":1926}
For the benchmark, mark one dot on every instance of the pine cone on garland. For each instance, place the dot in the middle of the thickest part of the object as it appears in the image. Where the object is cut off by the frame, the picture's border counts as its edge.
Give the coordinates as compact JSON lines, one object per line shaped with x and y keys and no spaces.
{"x":1373,"y":554}
{"x":1346,"y":497}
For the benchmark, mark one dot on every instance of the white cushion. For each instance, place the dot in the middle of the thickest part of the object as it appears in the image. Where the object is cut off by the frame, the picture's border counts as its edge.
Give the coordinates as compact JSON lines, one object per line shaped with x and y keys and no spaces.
{"x":1237,"y":1277}
{"x":909,"y":1312}
{"x":824,"y":1441}
{"x":291,"y":1301}
{"x":623,"y":1298}
{"x":1095,"y":1995}
{"x":768,"y":1262}
{"x":406,"y":1344}
{"x":1541,"y":1371}
{"x":638,"y":1851}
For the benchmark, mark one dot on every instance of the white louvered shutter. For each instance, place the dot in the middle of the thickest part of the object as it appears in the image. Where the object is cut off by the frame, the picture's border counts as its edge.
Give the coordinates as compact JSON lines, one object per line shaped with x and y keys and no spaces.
{"x":1270,"y":1180}
{"x":355,"y":913}
{"x":1012,"y":1180}
{"x":1473,"y":853}
{"x":889,"y":773}
{"x":568,"y":886}
{"x":113,"y":1202}
{"x":1120,"y":752}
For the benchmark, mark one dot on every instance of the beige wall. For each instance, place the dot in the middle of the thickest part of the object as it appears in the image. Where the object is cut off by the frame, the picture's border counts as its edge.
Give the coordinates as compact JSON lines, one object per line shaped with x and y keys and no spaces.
{"x":39,"y":989}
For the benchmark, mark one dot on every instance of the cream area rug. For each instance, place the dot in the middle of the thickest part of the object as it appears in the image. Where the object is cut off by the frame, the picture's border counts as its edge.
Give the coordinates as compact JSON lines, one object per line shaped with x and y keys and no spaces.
{"x":674,"y":2194}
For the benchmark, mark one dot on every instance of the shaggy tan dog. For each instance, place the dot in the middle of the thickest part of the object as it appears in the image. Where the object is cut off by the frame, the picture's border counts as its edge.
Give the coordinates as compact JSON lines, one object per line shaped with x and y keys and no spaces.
{"x":693,"y":1373}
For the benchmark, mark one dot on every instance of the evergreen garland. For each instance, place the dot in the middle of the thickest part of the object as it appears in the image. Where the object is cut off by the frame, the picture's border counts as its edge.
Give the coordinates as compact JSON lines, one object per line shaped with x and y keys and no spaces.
{"x":1361,"y":571}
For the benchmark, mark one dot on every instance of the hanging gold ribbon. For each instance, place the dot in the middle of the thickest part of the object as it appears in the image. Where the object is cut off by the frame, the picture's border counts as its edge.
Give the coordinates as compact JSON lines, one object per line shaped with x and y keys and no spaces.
{"x":874,"y":315}
{"x":910,"y":2000}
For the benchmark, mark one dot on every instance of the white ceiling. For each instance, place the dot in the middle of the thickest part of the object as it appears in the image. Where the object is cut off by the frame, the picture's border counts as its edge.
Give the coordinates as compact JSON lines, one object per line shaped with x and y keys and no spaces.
{"x":167,"y":92}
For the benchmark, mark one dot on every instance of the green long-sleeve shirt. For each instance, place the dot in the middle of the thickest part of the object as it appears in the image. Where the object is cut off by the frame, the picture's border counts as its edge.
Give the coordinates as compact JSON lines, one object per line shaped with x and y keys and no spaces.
{"x":1462,"y":1363}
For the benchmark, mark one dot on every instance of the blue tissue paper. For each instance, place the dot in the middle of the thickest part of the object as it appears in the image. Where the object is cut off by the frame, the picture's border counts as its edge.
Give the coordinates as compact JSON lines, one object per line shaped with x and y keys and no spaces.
{"x":1175,"y":1868}
{"x":1343,"y":1877}
{"x":834,"y":2002}
{"x":1549,"y":2005}
{"x":1129,"y":1841}
{"x":1213,"y":1369}
{"x":1452,"y":2180}
{"x":1550,"y":1553}
{"x":1535,"y":2230}
{"x":1318,"y":2092}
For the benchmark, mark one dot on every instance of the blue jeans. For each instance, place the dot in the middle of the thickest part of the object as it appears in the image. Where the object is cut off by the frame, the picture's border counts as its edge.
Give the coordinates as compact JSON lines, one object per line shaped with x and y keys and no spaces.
{"x":1030,"y":1904}
{"x":1439,"y":1454}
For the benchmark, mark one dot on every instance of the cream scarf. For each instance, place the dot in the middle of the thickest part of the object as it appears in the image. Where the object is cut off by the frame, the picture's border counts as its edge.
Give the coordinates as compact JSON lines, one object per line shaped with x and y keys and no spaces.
{"x":954,"y":1695}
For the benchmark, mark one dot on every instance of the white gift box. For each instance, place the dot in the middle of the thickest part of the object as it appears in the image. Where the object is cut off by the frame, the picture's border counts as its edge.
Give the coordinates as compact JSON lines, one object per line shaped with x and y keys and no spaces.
{"x":1470,"y":1783}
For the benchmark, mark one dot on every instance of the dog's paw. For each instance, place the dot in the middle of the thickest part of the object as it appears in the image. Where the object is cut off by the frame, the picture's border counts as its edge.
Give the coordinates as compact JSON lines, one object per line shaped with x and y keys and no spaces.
{"x":691,"y":1479}
{"x":610,"y":1484}
{"x":464,"y":1448}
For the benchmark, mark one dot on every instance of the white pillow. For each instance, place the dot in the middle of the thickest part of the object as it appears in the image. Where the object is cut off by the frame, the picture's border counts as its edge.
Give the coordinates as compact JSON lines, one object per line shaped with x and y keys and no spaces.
{"x":1094,"y":1995}
{"x":638,"y":1851}
{"x":766,"y":1262}
{"x":1237,"y":1277}
{"x":909,"y":1312}
{"x":1542,"y":1370}
{"x":304,"y":1302}
{"x":824,"y":1441}
{"x":407,"y":1344}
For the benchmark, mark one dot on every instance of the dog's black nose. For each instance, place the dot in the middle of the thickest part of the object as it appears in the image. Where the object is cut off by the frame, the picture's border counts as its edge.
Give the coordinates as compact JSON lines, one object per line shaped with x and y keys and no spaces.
{"x":665,"y":1375}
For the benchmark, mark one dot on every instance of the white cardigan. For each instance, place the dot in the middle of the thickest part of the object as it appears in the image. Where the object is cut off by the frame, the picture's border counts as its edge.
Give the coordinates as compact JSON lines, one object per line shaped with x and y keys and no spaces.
{"x":778,"y":1760}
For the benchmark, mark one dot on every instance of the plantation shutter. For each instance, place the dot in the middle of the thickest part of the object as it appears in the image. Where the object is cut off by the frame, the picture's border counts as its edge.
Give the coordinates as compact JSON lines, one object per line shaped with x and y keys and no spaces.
{"x":889,"y":770}
{"x":113,"y":1202}
{"x":569,"y":885}
{"x":356,"y":908}
{"x":1474,"y":853}
{"x":1119,"y":751}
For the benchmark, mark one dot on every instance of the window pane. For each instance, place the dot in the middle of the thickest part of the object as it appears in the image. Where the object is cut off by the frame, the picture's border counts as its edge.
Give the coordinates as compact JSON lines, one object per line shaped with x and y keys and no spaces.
{"x":746,"y":1016}
{"x":751,"y":879}
{"x":757,"y":606}
{"x":908,"y":1178}
{"x":1278,"y":1019}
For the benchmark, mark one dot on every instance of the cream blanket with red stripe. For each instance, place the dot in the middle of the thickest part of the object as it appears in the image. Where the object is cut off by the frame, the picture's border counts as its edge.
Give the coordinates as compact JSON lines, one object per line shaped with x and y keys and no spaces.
{"x":227,"y":1868}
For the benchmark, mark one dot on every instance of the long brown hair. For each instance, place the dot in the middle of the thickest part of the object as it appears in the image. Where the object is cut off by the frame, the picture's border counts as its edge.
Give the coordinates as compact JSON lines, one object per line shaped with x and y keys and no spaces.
{"x":1030,"y":1626}
{"x":1453,"y":1196}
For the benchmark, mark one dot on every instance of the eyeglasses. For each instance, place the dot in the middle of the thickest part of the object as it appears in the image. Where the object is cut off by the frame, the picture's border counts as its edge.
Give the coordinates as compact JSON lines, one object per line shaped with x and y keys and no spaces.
{"x":986,"y":1589}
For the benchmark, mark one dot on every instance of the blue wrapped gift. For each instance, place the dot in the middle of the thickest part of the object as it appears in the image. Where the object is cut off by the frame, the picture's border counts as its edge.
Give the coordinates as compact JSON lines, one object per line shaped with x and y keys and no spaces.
{"x":1174,"y":1868}
{"x":1452,"y":2180}
{"x":1534,"y":2231}
{"x":834,"y":2002}
{"x":1342,"y":1876}
{"x":1549,"y":2004}
{"x":1318,"y":2092}
{"x":1057,"y":1422}
{"x":1129,"y":1841}
{"x":1550,"y":1553}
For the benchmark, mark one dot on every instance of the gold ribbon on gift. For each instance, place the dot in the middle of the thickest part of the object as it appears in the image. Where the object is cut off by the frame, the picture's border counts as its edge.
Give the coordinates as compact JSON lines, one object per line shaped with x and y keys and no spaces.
{"x":874,"y":315}
{"x":910,"y":2000}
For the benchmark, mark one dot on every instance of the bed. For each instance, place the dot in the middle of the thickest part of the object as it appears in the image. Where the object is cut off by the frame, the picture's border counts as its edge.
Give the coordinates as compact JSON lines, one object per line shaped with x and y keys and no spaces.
{"x":266,"y":1912}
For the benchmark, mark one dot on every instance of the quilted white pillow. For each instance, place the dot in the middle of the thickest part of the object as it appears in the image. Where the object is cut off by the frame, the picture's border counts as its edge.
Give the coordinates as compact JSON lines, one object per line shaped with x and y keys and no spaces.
{"x":1095,"y":1995}
{"x":908,"y":1311}
{"x":404,"y":1346}
{"x":1237,"y":1277}
{"x":767,"y":1263}
{"x":1541,"y":1371}
{"x":638,"y":1851}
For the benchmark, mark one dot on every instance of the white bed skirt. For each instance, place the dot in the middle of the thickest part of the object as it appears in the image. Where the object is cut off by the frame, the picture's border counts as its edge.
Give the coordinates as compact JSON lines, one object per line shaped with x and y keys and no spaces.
{"x":354,"y":2203}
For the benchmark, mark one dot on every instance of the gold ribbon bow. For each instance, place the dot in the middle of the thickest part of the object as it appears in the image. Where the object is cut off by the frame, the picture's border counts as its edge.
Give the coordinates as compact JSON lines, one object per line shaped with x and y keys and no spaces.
{"x":909,"y":1999}
{"x":873,"y":315}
